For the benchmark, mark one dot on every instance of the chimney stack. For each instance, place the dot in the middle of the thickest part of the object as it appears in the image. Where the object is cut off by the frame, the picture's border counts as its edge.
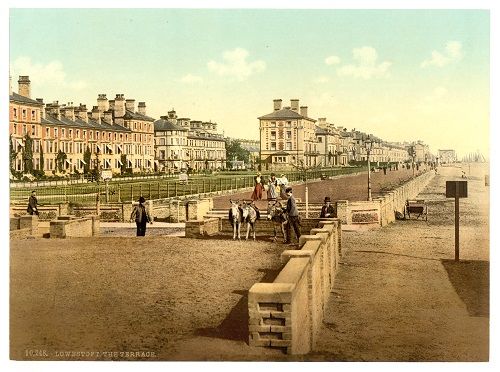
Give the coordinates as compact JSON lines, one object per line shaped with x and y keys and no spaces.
{"x":108,"y":117}
{"x":294,"y":103}
{"x":24,"y":86}
{"x":102,"y":103}
{"x":69,"y":111}
{"x":119,"y":106}
{"x":277,"y":104}
{"x":81,"y":112}
{"x":42,"y":111}
{"x":141,"y":108}
{"x":321,"y":122}
{"x":96,"y":114}
{"x":54,"y":109}
{"x":303,"y":111}
{"x":112,"y":104}
{"x":130,"y":105}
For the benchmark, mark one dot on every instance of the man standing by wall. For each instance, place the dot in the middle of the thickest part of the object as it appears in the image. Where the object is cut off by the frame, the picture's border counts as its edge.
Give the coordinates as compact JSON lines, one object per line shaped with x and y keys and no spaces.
{"x":293,"y":216}
{"x":32,"y":204}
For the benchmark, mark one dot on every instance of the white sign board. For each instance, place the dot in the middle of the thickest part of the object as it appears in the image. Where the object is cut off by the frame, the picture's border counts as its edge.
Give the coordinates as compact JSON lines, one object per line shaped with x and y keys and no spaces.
{"x":106,"y":174}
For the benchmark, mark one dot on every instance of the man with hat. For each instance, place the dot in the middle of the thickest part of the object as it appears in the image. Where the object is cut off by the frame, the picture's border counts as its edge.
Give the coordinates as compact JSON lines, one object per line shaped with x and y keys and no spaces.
{"x":293,"y":215}
{"x":327,"y":211}
{"x":141,"y":216}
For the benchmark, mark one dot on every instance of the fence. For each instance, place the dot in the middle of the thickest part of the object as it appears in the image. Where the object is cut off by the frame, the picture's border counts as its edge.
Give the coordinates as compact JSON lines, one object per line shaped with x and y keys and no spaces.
{"x":129,"y":190}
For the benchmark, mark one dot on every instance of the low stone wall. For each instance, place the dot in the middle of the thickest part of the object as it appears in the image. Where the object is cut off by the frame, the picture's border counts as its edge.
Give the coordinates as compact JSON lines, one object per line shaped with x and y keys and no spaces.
{"x":21,"y":233}
{"x":263,"y":225}
{"x":381,"y":210}
{"x":288,"y":312}
{"x":72,"y":226}
{"x":198,"y":229}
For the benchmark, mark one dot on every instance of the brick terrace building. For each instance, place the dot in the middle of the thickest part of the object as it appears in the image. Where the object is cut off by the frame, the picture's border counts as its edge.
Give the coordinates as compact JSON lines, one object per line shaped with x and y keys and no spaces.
{"x":116,"y":134}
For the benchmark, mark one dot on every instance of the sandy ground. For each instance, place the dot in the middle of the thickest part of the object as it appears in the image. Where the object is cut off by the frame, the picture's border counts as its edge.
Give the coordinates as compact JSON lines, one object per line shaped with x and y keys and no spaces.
{"x":398,"y":294}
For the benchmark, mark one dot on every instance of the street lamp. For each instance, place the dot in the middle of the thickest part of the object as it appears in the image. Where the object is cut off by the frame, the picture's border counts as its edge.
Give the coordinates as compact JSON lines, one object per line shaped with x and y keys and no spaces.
{"x":368,"y":145}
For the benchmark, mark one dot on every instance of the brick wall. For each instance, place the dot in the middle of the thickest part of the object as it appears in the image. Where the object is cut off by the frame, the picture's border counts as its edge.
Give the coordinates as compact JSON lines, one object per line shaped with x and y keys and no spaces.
{"x":288,"y":312}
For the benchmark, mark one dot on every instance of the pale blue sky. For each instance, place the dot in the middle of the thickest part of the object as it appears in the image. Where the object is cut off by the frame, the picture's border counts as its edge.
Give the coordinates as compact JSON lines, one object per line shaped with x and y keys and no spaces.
{"x":381,"y":75}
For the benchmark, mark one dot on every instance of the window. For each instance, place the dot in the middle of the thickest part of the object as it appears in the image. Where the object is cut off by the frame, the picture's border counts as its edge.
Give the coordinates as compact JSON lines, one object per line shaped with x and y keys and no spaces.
{"x":33,"y":115}
{"x":15,"y":113}
{"x":320,"y":139}
{"x":288,"y":134}
{"x":24,"y":114}
{"x":273,"y":124}
{"x":273,"y":146}
{"x":70,"y":133}
{"x":55,"y":132}
{"x":33,"y":130}
{"x":273,"y":134}
{"x":288,"y":145}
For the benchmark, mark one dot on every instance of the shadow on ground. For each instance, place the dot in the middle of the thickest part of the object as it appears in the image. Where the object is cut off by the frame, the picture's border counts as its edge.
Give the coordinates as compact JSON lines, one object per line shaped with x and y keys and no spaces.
{"x":235,"y":325}
{"x":471,"y":282}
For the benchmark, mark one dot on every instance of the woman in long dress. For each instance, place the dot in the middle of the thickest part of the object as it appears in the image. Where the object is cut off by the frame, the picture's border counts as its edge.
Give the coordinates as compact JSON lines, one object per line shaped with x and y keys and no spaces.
{"x":258,"y":187}
{"x":271,"y":191}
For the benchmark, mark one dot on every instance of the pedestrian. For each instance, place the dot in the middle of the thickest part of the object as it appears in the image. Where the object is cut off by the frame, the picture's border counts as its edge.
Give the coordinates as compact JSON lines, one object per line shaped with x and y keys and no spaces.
{"x":327,"y":211}
{"x":33,"y":204}
{"x":258,"y":187}
{"x":141,"y":216}
{"x":271,"y":187}
{"x":385,"y":170}
{"x":293,"y":216}
{"x":283,"y":184}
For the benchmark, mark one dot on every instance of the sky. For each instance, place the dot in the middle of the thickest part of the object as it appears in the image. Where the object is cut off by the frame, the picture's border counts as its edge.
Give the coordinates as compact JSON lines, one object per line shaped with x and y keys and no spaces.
{"x":401,"y":75}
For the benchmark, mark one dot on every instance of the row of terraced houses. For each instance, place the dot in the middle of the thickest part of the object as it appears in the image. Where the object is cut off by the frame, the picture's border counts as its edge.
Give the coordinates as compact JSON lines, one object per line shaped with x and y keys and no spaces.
{"x":121,"y":136}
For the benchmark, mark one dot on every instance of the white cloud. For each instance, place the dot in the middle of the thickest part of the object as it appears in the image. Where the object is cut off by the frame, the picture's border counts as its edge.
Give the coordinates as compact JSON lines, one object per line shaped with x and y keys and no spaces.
{"x":322,"y":79}
{"x":366,"y":65}
{"x":40,"y":74}
{"x":452,"y":53}
{"x":191,"y":79}
{"x":437,"y":94}
{"x":332,"y":60}
{"x":235,"y":65}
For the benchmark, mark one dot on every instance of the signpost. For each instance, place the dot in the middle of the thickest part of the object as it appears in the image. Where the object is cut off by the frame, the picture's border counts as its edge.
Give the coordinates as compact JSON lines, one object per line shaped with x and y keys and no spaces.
{"x":457,"y":190}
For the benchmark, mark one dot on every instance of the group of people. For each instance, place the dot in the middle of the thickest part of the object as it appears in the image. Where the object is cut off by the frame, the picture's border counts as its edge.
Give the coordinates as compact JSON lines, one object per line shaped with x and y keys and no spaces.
{"x":273,"y":186}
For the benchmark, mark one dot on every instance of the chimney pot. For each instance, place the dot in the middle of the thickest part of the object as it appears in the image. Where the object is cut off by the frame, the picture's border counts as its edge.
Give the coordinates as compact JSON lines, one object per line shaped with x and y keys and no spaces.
{"x":294,"y":103}
{"x":277,"y":104}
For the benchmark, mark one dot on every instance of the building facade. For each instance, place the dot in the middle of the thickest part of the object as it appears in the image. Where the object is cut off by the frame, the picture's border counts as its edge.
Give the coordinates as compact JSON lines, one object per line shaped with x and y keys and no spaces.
{"x":118,"y":137}
{"x":288,"y":138}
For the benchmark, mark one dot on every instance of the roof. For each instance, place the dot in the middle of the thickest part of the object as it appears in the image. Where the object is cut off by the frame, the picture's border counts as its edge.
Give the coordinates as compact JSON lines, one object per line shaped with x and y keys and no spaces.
{"x":52,"y":120}
{"x":281,"y":153}
{"x":136,"y":116}
{"x":18,"y":98}
{"x":162,"y":124}
{"x":284,"y":114}
{"x":320,"y":130}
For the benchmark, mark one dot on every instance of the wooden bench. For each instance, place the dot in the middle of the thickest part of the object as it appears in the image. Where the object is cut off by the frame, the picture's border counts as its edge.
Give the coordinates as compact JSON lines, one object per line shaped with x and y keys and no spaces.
{"x":416,"y":207}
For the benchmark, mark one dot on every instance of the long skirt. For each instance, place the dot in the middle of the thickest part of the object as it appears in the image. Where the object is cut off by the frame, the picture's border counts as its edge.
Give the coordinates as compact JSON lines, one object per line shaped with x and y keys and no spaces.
{"x":257,"y":192}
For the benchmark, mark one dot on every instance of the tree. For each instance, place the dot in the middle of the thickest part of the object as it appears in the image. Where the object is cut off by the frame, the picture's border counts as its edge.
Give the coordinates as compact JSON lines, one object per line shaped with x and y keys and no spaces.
{"x":28,"y":154}
{"x":42,"y":160}
{"x":60,"y":159}
{"x":234,"y":151}
{"x":87,"y":158}
{"x":13,"y":154}
{"x":123,"y":159}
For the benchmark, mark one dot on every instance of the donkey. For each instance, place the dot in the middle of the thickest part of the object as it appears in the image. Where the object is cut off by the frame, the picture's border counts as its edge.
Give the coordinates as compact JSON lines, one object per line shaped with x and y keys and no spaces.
{"x":236,"y":218}
{"x":276,"y":214}
{"x":250,"y":215}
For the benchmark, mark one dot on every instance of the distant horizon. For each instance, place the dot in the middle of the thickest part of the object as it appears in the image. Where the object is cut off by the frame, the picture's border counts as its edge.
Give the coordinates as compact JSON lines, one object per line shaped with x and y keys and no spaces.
{"x":404,"y":75}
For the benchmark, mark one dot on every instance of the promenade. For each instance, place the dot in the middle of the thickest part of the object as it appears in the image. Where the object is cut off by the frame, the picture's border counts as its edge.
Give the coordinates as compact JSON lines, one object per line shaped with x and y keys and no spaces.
{"x":398,"y":294}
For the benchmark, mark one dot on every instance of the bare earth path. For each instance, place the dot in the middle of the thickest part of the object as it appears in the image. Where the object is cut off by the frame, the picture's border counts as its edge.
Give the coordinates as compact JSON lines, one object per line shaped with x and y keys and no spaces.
{"x":399,"y":295}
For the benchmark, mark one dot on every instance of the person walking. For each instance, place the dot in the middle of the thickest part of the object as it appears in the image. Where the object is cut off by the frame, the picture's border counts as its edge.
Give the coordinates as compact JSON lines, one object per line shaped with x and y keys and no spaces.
{"x":293,"y":216}
{"x":141,"y":216}
{"x":271,"y":190}
{"x":258,"y":187}
{"x":327,"y":211}
{"x":33,"y":204}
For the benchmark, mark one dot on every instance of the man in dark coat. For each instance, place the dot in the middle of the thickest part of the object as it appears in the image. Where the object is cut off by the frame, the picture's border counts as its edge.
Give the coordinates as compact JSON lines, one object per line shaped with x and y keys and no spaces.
{"x":32,"y":204}
{"x":293,"y":215}
{"x":141,"y":216}
{"x":327,"y":211}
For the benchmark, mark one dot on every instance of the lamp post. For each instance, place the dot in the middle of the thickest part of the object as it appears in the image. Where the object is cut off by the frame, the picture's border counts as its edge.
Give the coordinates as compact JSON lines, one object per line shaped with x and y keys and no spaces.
{"x":368,"y":145}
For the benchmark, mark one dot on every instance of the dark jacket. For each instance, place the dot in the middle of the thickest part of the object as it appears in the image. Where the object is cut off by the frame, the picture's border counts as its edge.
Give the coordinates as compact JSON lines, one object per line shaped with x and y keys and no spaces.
{"x":32,"y":205}
{"x":325,"y":210}
{"x":140,"y":214}
{"x":291,"y":207}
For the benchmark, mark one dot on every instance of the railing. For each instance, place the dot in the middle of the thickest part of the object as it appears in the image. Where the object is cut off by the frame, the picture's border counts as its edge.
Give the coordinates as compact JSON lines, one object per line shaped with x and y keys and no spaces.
{"x":151,"y":187}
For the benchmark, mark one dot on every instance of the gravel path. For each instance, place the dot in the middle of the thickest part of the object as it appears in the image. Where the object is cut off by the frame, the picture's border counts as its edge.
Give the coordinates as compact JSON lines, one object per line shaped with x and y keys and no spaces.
{"x":397,"y":294}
